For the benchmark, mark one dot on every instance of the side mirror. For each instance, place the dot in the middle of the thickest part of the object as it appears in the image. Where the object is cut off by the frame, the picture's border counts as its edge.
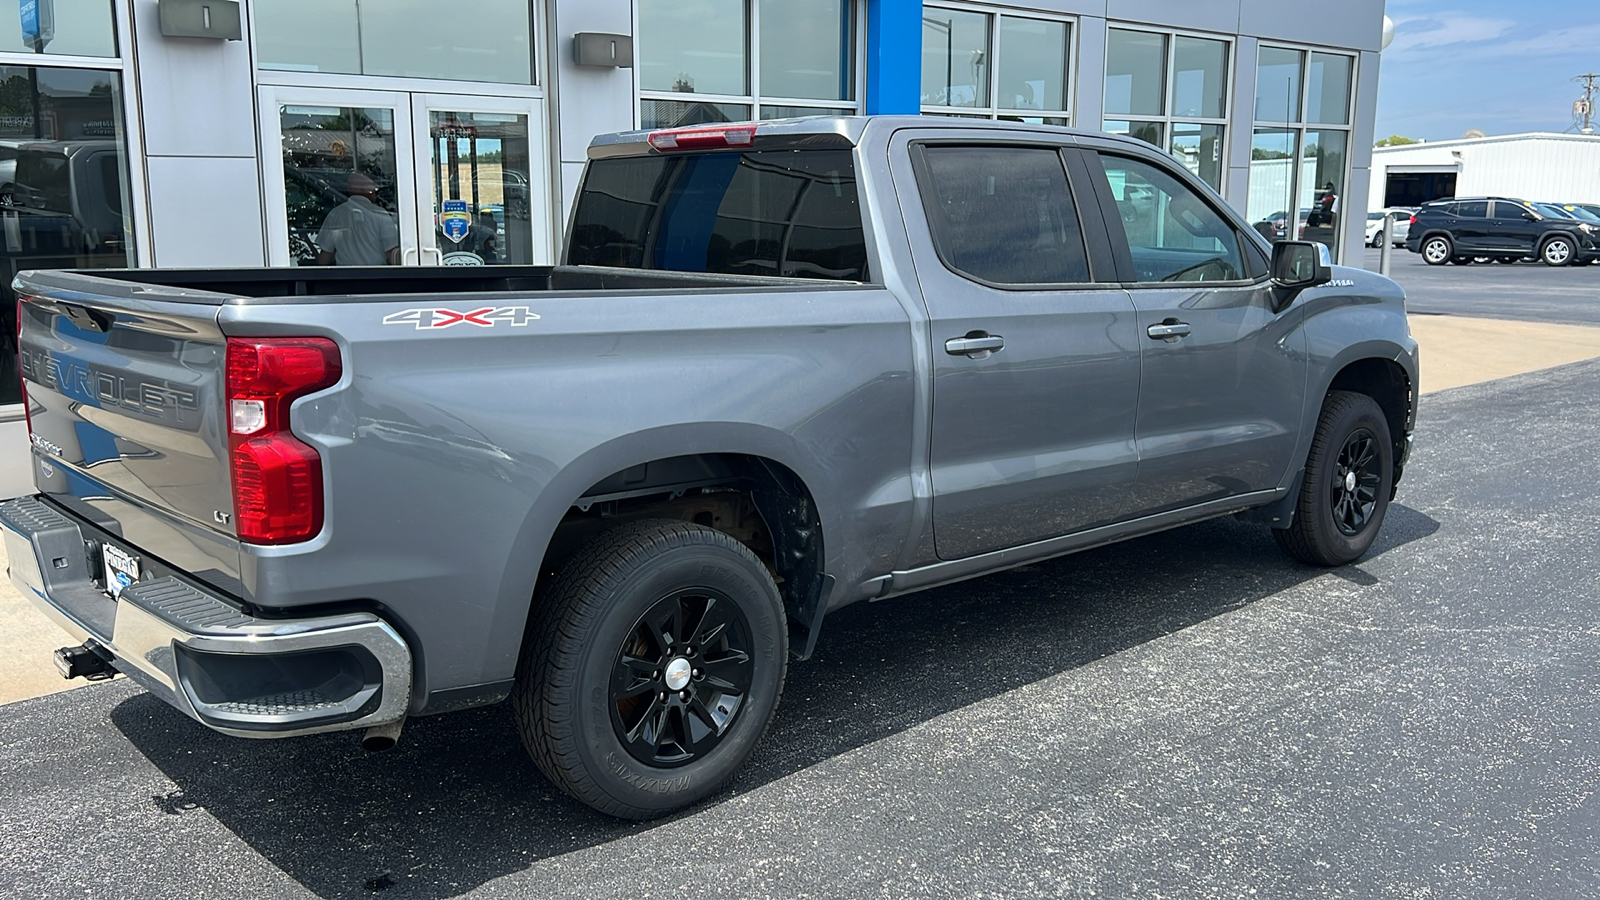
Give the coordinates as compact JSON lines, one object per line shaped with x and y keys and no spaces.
{"x":1297,"y":265}
{"x":1529,"y":217}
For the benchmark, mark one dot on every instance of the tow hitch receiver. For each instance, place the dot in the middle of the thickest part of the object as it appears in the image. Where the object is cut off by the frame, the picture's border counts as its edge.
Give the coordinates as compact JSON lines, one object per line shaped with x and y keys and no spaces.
{"x":84,"y":661}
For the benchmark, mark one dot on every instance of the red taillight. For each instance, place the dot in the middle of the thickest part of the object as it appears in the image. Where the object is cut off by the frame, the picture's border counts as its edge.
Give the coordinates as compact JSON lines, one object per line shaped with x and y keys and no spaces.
{"x":707,"y":138}
{"x":1413,"y":220}
{"x":277,"y":479}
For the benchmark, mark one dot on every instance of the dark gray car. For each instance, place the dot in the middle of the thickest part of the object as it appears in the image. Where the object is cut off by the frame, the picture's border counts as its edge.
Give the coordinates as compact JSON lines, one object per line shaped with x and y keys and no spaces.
{"x":787,"y":367}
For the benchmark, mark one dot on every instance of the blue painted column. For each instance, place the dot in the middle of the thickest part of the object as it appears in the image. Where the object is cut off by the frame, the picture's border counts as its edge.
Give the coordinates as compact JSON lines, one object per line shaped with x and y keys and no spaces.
{"x":894,"y":56}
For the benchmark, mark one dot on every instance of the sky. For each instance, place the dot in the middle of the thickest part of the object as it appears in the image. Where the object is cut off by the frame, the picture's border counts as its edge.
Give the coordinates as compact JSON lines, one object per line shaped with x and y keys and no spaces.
{"x":1499,"y":67}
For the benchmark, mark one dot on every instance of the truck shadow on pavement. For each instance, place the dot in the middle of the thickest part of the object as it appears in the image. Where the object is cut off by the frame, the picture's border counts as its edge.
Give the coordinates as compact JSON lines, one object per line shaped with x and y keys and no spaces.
{"x":458,"y":803}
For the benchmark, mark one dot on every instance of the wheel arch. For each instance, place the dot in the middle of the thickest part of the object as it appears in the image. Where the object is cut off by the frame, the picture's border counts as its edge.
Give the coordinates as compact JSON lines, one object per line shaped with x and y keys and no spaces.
{"x":641,"y":468}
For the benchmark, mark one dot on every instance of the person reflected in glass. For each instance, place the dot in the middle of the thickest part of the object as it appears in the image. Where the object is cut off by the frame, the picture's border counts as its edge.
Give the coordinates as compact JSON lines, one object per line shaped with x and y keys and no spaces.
{"x":359,"y":232}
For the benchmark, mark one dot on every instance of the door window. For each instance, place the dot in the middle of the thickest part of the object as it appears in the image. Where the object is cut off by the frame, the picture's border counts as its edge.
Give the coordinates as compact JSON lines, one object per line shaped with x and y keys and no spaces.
{"x":1472,"y":209}
{"x":1003,"y":215}
{"x":482,"y":205}
{"x":1173,"y":234}
{"x":340,"y":180}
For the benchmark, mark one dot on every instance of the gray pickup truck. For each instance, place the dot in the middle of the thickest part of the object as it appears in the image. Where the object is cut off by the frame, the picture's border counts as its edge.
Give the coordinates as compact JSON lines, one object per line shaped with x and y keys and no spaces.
{"x":784,"y":368}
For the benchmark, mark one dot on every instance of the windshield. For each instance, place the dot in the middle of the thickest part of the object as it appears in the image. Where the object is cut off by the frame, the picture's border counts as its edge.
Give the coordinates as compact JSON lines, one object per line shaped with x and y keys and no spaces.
{"x":1554,"y":212}
{"x":1578,"y":212}
{"x":1374,"y":216}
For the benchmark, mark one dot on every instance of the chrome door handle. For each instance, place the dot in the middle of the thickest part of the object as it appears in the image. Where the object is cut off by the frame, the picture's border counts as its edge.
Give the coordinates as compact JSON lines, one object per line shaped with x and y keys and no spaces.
{"x":1169,"y":331}
{"x":976,"y":345}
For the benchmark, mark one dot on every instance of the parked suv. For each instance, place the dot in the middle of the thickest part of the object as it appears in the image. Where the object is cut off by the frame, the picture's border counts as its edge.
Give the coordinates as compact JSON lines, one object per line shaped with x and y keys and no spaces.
{"x":1499,"y":228}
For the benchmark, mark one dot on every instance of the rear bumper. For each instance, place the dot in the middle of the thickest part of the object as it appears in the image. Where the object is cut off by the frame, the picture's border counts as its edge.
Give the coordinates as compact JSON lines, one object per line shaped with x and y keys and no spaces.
{"x":233,"y":672}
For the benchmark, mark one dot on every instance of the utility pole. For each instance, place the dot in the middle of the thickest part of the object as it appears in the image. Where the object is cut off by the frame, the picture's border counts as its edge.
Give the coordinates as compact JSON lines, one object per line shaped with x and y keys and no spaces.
{"x":1586,"y":107}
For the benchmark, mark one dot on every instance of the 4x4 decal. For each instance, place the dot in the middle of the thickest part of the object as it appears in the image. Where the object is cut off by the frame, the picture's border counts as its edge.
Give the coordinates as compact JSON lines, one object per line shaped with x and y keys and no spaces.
{"x":487,"y":317}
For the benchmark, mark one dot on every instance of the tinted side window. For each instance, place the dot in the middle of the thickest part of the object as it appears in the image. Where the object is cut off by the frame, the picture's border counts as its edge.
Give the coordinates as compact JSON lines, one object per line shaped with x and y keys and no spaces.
{"x":1173,"y":233}
{"x":779,"y":212}
{"x":1473,"y":209}
{"x":1003,"y":214}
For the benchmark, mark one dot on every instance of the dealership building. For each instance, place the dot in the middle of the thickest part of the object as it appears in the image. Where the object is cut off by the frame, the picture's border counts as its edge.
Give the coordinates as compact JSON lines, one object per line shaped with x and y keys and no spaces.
{"x":183,"y":133}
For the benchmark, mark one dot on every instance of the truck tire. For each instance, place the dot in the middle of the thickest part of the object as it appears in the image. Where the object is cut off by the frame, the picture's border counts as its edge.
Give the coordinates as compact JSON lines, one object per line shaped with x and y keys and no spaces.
{"x":1349,"y":477}
{"x":652,"y":667}
{"x":1437,"y":250}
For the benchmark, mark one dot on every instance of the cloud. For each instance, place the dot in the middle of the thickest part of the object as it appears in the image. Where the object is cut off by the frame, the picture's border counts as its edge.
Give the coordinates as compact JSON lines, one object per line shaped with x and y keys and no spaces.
{"x":1412,"y":33}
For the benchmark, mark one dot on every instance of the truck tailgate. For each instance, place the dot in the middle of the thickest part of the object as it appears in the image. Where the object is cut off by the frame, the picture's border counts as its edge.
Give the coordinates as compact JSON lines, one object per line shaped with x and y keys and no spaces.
{"x":124,"y":385}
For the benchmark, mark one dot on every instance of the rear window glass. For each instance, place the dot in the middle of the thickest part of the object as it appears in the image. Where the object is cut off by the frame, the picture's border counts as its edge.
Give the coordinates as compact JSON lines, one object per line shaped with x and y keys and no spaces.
{"x":772,"y":212}
{"x":1472,"y":209}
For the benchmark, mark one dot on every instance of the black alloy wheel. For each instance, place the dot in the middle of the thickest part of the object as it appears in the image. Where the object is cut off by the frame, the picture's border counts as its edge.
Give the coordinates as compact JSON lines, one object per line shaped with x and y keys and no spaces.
{"x":1355,"y":483}
{"x":652,"y":665}
{"x":1345,"y":490}
{"x":681,"y":677}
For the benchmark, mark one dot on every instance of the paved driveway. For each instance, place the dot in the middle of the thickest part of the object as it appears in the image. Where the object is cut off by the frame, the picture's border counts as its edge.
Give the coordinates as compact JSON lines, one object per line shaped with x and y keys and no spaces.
{"x":1187,"y":715}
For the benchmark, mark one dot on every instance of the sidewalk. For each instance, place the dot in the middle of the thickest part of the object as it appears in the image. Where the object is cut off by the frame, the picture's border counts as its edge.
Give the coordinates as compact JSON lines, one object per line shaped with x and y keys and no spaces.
{"x":1455,"y":352}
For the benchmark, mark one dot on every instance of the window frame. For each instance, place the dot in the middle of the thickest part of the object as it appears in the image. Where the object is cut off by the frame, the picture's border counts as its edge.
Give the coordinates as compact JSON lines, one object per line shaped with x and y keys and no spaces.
{"x":1080,"y":186}
{"x":755,"y":99}
{"x":1254,"y":260}
{"x":1304,"y":126}
{"x":1168,"y":117}
{"x":993,"y":111}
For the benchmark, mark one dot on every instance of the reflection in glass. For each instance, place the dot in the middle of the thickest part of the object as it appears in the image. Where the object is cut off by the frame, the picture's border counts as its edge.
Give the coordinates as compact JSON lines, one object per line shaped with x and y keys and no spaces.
{"x":1034,"y":120}
{"x":1033,"y":64}
{"x":1199,"y":148}
{"x":1199,"y":77}
{"x":955,"y":58}
{"x":82,"y":28}
{"x":482,"y":198}
{"x":692,"y":46}
{"x":408,"y":38}
{"x":806,"y":49}
{"x":1328,"y":89}
{"x":63,"y":184}
{"x":677,"y":113}
{"x":1322,"y":186}
{"x":1136,"y":65}
{"x":1173,"y":234}
{"x":795,"y":112}
{"x":1271,"y":210}
{"x":1149,"y":132}
{"x":284,"y":42}
{"x":340,"y":180}
{"x":1278,"y":85}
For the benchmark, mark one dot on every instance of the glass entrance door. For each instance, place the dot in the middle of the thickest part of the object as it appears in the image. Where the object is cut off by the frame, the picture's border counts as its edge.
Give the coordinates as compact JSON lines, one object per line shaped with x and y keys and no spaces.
{"x":375,"y":178}
{"x":482,"y":181}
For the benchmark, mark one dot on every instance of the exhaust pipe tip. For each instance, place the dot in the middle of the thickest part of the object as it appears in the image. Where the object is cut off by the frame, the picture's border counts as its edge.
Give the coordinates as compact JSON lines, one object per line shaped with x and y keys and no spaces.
{"x":379,"y":738}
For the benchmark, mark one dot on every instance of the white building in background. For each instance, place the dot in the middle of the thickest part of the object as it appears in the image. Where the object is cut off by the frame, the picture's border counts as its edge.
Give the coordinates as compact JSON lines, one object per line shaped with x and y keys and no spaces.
{"x":1563,"y":168}
{"x":128,"y":138}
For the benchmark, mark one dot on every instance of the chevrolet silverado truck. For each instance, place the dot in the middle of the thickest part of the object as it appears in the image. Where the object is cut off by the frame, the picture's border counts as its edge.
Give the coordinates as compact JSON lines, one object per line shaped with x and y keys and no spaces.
{"x":784,"y":367}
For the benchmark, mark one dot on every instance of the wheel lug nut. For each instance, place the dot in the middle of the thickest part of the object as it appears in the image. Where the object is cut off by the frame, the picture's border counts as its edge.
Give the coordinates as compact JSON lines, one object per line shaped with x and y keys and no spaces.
{"x":663,"y":698}
{"x":683,"y":695}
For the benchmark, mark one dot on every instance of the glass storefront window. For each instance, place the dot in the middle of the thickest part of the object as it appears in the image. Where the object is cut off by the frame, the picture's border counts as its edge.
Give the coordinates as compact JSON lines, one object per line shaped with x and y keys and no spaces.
{"x":693,"y":46}
{"x":1322,"y":185}
{"x":805,"y":48}
{"x":1278,"y":84}
{"x":1328,"y":89}
{"x":1033,"y":63}
{"x":794,"y":112}
{"x":482,"y":209}
{"x":1199,"y":77}
{"x":341,"y":179}
{"x":1136,"y":66}
{"x":63,"y":184}
{"x":80,"y":28}
{"x":1149,"y":132}
{"x":1199,"y":148}
{"x":1271,"y":210}
{"x":407,"y":38}
{"x":955,"y":58}
{"x":678,"y":113}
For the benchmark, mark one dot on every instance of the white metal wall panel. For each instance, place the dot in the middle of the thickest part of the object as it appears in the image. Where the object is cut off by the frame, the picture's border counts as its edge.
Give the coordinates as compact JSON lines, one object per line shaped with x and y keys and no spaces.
{"x":1533,"y":167}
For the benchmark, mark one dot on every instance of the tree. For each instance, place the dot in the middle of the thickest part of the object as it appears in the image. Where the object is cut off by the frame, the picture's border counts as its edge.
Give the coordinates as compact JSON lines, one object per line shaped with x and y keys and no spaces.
{"x":1396,"y":140}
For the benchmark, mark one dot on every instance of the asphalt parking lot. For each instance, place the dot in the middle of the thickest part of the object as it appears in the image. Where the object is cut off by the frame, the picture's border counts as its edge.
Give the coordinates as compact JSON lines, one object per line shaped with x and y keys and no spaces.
{"x":1186,"y":715}
{"x":1528,"y":291}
